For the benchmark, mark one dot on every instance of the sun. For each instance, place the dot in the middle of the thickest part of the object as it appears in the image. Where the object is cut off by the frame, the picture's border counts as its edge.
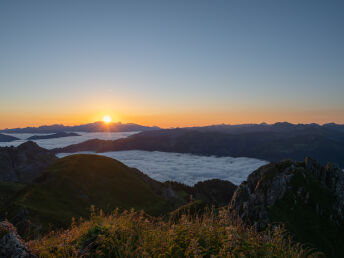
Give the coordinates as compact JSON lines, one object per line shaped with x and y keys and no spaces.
{"x":107,"y":119}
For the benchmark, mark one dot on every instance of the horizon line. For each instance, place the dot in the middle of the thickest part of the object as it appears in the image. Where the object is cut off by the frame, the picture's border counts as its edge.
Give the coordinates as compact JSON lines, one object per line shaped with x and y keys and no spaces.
{"x":176,"y":127}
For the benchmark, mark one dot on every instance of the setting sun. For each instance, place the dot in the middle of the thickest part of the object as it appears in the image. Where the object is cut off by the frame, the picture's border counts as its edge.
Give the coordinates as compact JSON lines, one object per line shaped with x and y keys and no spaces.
{"x":107,"y":119}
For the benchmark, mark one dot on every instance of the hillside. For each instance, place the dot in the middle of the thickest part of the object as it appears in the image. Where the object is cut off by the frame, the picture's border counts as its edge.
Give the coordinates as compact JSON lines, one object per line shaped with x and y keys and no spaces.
{"x":71,"y":185}
{"x":322,"y":143}
{"x":8,"y":190}
{"x":304,"y":197}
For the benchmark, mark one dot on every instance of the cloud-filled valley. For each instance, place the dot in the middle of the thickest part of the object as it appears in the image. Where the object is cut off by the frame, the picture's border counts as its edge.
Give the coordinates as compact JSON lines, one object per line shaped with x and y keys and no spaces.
{"x":186,"y":168}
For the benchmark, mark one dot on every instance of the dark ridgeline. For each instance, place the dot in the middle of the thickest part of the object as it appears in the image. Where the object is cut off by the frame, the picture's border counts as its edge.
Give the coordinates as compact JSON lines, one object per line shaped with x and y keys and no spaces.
{"x":268,"y":142}
{"x":7,"y":138}
{"x":92,"y":127}
{"x":52,"y":136}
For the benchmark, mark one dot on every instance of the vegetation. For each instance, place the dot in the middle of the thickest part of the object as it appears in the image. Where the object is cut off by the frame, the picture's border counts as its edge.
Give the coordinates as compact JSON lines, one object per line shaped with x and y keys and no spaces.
{"x":135,"y":234}
{"x":71,"y":185}
{"x":8,"y":190}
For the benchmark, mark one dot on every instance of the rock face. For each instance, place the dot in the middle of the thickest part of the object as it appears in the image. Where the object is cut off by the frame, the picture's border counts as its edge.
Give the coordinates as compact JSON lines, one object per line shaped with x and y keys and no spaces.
{"x":307,"y":197}
{"x":24,"y":163}
{"x":11,"y":245}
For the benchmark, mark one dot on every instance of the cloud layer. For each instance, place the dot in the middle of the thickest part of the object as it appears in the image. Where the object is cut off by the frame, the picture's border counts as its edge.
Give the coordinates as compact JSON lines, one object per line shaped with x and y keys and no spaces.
{"x":65,"y":141}
{"x":186,"y":168}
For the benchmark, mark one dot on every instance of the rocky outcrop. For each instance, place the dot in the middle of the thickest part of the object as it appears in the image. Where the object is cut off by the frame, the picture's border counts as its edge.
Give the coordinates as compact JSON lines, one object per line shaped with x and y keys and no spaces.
{"x":24,"y":163}
{"x":11,"y":245}
{"x":271,"y":183}
{"x":262,"y":189}
{"x":304,"y":196}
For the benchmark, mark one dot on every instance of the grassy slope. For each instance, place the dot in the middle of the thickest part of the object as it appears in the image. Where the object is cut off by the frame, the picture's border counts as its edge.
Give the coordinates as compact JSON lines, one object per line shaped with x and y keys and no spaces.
{"x":72,"y":184}
{"x":131,"y":234}
{"x":8,"y":190}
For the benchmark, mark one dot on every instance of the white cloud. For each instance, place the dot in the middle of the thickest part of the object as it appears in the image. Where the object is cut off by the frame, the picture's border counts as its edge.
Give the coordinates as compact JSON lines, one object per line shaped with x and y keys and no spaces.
{"x":185,"y":168}
{"x":65,"y":141}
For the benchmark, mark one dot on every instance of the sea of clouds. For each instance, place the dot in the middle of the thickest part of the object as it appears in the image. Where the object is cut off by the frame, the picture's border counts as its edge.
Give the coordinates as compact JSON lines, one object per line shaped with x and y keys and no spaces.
{"x":162,"y":166}
{"x":65,"y":141}
{"x":185,"y":168}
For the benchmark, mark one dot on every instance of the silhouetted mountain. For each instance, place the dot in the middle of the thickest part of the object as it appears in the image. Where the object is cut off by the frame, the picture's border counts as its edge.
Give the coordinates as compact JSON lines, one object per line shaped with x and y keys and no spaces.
{"x":278,"y":143}
{"x":92,"y":127}
{"x":24,"y":163}
{"x":306,"y":197}
{"x":263,"y":127}
{"x":335,"y":126}
{"x":7,"y":138}
{"x":52,"y":136}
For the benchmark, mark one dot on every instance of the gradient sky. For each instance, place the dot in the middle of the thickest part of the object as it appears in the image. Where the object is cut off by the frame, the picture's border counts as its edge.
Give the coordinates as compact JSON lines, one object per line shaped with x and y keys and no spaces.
{"x":171,"y":63}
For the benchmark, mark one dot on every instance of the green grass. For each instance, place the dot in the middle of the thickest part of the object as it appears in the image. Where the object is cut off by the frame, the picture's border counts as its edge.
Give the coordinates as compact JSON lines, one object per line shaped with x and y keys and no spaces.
{"x":8,"y":190}
{"x":134,"y":234}
{"x":72,"y":184}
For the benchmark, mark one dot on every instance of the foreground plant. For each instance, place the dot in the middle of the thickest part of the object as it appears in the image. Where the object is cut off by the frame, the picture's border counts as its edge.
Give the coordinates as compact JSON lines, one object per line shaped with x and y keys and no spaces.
{"x":134,"y":234}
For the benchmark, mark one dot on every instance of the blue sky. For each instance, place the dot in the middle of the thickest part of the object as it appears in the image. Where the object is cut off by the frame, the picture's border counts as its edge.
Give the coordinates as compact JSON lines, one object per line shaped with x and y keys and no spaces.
{"x":171,"y":62}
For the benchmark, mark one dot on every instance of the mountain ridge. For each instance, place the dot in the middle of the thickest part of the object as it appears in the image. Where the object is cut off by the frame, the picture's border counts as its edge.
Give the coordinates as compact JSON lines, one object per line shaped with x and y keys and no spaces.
{"x":90,"y":127}
{"x":122,"y":127}
{"x":323,"y":143}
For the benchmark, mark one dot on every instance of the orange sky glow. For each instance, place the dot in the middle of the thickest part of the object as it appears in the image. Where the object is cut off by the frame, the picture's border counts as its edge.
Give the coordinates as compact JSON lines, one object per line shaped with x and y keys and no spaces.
{"x":168,"y":120}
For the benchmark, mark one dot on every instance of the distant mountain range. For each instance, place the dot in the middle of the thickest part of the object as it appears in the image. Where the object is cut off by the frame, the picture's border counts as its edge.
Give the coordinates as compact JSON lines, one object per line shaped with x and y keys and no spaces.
{"x":7,"y":138}
{"x":269,"y":142}
{"x":52,"y":136}
{"x":92,"y":127}
{"x":263,"y":127}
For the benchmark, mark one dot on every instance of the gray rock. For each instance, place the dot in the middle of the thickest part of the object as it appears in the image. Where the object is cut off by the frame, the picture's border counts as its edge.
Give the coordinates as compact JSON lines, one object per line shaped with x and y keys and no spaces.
{"x":11,"y":245}
{"x":264,"y":187}
{"x":24,"y":163}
